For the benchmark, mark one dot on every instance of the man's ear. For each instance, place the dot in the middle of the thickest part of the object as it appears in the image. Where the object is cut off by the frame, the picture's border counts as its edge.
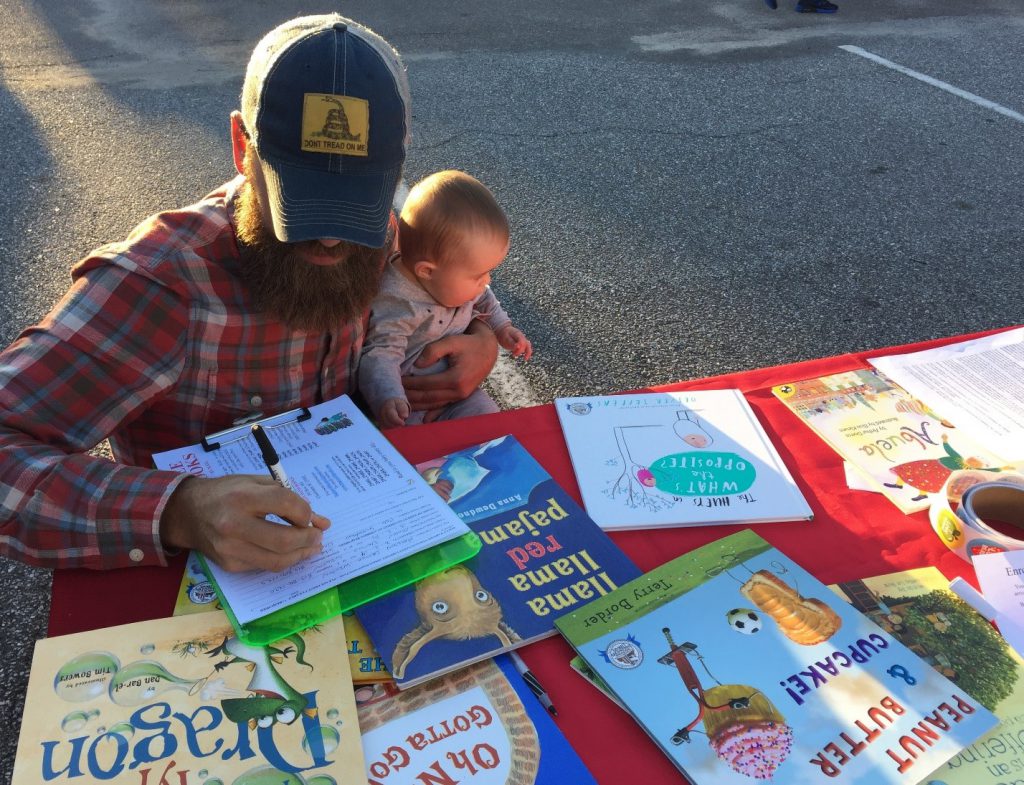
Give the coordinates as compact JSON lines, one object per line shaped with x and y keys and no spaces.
{"x":239,"y":141}
{"x":424,"y":268}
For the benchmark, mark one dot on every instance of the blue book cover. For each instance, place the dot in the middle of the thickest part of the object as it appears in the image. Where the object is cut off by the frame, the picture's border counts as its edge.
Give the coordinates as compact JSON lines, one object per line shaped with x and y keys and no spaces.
{"x":741,"y":666}
{"x":481,"y":725}
{"x":542,"y":556}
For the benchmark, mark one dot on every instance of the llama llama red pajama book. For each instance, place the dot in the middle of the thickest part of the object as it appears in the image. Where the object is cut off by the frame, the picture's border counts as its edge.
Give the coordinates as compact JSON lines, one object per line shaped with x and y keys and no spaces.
{"x":542,"y":556}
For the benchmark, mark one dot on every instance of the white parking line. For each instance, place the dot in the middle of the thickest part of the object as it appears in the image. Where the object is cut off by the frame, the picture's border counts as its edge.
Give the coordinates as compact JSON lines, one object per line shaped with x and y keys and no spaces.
{"x":974,"y":99}
{"x":508,"y":385}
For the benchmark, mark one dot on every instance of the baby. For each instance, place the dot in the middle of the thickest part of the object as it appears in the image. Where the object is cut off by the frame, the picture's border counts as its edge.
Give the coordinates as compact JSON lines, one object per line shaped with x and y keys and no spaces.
{"x":451,"y":235}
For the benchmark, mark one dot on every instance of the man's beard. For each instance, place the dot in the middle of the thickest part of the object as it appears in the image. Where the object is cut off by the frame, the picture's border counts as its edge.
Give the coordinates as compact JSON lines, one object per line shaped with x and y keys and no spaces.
{"x":284,"y":284}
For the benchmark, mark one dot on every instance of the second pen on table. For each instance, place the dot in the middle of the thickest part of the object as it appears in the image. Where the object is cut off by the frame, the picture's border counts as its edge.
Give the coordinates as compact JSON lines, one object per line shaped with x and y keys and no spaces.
{"x":531,"y":681}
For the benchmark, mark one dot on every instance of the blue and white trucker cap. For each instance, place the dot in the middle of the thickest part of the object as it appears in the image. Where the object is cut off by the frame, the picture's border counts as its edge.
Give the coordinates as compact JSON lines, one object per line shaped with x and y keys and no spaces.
{"x":326,"y":103}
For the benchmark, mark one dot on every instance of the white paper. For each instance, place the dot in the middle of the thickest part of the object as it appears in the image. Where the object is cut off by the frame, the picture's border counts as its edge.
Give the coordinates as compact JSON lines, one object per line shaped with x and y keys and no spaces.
{"x":380,"y":509}
{"x":977,"y":385}
{"x":1001,"y":577}
{"x":856,"y":481}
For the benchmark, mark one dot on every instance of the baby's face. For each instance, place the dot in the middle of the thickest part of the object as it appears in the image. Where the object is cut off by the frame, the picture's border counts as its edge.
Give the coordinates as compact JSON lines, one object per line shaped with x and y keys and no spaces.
{"x":464,"y":276}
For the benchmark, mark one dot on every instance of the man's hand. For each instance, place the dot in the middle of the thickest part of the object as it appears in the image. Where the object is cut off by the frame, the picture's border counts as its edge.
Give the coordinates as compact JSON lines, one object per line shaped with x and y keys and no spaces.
{"x":223,"y":519}
{"x":470,"y":358}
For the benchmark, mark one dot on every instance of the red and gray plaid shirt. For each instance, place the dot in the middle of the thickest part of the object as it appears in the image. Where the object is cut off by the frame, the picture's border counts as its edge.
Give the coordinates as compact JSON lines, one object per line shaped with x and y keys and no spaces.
{"x":155,"y":345}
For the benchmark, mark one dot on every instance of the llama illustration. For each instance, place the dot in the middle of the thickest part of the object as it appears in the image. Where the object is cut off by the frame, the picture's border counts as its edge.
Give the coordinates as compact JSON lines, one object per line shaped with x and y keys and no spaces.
{"x":451,"y":605}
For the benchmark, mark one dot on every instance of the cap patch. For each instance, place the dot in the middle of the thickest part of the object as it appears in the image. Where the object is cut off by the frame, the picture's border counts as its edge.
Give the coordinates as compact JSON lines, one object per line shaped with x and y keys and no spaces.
{"x":336,"y":124}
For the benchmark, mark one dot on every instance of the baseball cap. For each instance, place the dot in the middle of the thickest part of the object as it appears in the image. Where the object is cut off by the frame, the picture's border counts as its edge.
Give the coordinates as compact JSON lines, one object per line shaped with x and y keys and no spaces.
{"x":326,"y":103}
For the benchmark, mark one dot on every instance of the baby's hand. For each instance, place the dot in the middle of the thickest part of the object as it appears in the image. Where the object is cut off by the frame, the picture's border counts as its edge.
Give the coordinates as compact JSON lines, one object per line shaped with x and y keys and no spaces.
{"x":512,"y":339}
{"x":393,"y":412}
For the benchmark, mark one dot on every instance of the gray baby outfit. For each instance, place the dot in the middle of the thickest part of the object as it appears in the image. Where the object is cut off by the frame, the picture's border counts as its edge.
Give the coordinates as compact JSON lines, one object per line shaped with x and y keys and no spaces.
{"x":404,"y":319}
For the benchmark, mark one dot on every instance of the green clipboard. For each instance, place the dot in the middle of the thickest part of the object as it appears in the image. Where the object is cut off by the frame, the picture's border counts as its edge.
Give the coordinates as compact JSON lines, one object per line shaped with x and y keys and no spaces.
{"x":350,"y":594}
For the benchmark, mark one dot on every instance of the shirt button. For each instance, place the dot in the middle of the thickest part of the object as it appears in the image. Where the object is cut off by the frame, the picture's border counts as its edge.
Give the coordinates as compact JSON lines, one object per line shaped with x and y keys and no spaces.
{"x":256,"y":400}
{"x":136,"y":554}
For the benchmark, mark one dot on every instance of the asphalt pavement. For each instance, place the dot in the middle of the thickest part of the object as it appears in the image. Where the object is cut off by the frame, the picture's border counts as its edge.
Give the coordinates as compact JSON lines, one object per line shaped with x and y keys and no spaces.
{"x":694,"y":188}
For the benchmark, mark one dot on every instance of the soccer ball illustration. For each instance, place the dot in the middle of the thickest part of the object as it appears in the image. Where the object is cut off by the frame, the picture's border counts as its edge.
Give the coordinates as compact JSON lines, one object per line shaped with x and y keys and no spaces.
{"x":744,"y":620}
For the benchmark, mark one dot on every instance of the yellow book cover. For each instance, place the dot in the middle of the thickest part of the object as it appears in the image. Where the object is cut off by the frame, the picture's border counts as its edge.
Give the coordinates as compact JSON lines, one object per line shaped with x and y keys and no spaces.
{"x":897,"y":443}
{"x":181,"y":701}
{"x":196,"y":595}
{"x":917,"y":608}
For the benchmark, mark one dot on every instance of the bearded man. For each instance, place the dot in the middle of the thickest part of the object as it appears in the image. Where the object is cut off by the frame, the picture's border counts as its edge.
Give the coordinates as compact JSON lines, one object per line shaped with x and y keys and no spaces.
{"x":251,"y":302}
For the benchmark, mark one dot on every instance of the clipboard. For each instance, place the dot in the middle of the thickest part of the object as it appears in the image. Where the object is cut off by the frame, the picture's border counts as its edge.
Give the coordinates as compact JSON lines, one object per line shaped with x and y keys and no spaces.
{"x":344,"y":597}
{"x":349,"y":595}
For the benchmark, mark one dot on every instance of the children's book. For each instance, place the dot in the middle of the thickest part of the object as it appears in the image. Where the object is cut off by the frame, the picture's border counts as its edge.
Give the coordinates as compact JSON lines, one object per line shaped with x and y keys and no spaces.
{"x":196,"y":595}
{"x":479,"y":725}
{"x":741,"y":666}
{"x":579,"y":665}
{"x":541,"y":556}
{"x":182,"y":700}
{"x":917,"y":608}
{"x":899,"y":445}
{"x":676,"y":459}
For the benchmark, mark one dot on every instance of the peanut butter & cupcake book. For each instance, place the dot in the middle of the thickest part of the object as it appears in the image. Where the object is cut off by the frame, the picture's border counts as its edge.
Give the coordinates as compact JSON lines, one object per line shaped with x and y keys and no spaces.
{"x":742,"y":667}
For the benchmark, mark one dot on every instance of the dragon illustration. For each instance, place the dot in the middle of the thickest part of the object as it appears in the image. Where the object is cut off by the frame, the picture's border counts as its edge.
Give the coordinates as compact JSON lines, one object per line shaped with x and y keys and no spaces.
{"x":271,"y":698}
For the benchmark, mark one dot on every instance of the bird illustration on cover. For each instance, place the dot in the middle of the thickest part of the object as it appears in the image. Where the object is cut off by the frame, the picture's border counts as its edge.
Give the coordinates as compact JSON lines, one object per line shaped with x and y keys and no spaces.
{"x":451,"y":604}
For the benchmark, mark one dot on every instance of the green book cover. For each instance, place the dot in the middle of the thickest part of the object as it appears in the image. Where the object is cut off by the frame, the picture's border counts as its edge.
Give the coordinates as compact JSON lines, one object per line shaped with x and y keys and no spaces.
{"x":741,"y":665}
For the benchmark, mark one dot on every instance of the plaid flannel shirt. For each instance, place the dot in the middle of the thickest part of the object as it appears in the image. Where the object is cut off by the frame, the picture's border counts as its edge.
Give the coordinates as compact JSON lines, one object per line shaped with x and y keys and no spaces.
{"x":155,"y":345}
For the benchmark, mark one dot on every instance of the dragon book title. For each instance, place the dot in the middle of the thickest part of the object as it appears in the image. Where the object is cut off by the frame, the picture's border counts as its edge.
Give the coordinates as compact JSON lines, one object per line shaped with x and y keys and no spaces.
{"x":182,"y":701}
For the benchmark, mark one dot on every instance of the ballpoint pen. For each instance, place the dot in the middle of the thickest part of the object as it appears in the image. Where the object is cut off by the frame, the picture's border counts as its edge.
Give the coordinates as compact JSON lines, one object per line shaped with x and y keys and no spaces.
{"x":270,"y":457}
{"x":532,"y":683}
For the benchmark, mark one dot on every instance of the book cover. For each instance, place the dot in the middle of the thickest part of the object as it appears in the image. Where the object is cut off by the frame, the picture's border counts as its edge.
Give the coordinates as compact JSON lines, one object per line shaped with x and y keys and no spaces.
{"x":196,"y":595}
{"x":742,"y":666}
{"x":676,"y":459}
{"x":480,"y":724}
{"x":541,"y":556}
{"x":579,"y":665}
{"x":183,"y":701}
{"x":899,"y":445}
{"x":918,"y":608}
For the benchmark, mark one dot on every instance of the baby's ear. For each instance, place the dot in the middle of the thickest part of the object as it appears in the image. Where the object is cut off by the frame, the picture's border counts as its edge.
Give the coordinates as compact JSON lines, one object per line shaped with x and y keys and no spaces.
{"x":424,"y":268}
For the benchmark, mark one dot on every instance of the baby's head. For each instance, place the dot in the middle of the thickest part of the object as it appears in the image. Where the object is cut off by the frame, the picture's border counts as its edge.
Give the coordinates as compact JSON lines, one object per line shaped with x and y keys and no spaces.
{"x":452,"y":234}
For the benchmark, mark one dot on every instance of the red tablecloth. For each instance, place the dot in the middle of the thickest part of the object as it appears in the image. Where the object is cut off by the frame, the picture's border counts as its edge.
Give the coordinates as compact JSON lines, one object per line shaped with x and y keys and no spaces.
{"x":854,"y":534}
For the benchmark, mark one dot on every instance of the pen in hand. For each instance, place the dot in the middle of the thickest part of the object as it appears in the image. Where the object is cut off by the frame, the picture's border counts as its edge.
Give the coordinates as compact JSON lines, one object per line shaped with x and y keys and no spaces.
{"x":270,"y":457}
{"x":273,"y":462}
{"x":531,"y":681}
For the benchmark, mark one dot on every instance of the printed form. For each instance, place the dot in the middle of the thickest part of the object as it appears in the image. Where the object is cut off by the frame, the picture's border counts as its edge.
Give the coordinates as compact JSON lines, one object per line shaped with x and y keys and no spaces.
{"x":380,"y":509}
{"x":977,"y":385}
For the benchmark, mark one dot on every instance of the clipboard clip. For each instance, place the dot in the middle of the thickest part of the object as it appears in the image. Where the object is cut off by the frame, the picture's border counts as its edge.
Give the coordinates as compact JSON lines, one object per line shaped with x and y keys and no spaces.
{"x":240,"y":430}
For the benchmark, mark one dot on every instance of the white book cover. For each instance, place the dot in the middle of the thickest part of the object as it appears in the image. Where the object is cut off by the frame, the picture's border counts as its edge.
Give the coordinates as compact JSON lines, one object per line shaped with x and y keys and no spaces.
{"x":651,"y":460}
